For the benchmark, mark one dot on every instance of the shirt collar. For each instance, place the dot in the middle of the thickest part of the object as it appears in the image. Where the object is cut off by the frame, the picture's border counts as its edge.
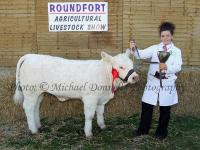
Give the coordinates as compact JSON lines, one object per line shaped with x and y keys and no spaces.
{"x":169,"y":46}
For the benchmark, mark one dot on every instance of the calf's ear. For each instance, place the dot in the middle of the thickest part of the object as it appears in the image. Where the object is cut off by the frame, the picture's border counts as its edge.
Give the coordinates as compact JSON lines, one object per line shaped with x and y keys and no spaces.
{"x":128,"y":53}
{"x":106,"y":57}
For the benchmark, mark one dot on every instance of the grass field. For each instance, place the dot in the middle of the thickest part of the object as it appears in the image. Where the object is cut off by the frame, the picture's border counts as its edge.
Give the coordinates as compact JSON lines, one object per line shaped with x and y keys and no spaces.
{"x":184,"y":133}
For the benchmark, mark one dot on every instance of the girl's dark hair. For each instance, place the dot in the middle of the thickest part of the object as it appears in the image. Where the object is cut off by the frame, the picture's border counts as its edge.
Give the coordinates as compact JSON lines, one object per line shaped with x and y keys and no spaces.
{"x":167,"y":26}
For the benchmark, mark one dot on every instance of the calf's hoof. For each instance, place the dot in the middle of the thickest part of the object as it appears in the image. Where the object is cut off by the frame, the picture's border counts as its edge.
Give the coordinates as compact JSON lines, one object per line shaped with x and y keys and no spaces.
{"x":102,"y":127}
{"x":89,"y":136}
{"x":34,"y":131}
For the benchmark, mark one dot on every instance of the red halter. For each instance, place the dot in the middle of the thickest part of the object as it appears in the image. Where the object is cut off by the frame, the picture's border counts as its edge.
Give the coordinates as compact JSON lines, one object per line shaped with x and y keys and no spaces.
{"x":115,"y":75}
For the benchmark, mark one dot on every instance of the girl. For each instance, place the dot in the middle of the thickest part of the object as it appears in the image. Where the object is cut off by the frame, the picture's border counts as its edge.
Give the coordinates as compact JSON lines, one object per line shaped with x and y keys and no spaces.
{"x":165,"y":96}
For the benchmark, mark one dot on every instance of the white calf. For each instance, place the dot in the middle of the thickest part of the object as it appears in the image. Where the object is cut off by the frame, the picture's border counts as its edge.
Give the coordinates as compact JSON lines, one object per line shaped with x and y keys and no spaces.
{"x":93,"y":81}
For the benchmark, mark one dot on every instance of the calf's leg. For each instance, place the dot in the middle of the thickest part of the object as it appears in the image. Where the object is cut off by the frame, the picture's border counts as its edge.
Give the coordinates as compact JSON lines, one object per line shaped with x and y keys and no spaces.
{"x":37,"y":111}
{"x":100,"y":117}
{"x":89,"y":111}
{"x":29,"y":105}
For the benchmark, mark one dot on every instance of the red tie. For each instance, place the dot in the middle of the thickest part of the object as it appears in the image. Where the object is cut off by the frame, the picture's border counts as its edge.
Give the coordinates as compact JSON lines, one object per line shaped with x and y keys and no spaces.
{"x":165,"y":48}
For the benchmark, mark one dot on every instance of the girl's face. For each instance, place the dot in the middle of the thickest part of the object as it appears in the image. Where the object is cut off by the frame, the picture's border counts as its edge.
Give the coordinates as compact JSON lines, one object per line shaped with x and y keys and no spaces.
{"x":166,"y":37}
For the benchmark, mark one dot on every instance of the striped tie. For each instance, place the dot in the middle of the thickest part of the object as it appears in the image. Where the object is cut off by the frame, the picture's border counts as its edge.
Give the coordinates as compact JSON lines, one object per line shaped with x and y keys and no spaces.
{"x":165,"y":48}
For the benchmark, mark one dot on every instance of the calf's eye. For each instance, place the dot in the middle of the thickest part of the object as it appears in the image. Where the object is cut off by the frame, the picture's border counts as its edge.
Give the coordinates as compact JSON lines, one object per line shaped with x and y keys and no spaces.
{"x":121,"y":67}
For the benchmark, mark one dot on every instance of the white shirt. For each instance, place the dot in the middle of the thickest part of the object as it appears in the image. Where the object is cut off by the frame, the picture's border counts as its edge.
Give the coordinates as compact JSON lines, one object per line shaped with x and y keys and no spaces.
{"x":153,"y":93}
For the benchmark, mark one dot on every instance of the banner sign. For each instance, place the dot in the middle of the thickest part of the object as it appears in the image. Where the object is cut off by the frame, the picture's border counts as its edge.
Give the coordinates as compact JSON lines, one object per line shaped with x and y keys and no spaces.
{"x":78,"y":16}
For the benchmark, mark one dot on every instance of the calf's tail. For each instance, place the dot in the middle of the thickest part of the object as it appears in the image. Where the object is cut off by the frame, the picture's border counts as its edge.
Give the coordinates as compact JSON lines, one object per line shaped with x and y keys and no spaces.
{"x":18,"y":97}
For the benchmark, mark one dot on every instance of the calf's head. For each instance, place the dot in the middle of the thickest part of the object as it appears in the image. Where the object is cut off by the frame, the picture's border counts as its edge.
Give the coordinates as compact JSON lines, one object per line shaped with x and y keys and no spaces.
{"x":123,"y":66}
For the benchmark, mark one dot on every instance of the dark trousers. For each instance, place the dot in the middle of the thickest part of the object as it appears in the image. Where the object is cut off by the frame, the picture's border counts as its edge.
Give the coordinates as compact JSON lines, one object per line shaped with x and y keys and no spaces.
{"x":146,"y":117}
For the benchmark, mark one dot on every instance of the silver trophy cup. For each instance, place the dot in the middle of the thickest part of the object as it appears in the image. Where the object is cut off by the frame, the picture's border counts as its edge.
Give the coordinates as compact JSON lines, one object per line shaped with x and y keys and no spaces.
{"x":163,"y":57}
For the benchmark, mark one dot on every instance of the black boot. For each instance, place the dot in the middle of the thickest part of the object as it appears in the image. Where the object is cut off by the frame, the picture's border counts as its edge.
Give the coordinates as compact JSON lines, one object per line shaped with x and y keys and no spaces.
{"x":145,"y":121}
{"x":161,"y":131}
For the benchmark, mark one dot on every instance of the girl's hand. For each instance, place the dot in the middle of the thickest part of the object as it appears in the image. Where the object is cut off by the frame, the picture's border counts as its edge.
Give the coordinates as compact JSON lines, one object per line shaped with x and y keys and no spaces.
{"x":132,"y":45}
{"x":162,"y":66}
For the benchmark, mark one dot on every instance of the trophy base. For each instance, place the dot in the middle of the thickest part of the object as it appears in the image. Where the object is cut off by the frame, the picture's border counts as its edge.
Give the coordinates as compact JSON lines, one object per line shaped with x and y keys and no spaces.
{"x":160,"y":75}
